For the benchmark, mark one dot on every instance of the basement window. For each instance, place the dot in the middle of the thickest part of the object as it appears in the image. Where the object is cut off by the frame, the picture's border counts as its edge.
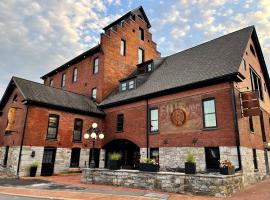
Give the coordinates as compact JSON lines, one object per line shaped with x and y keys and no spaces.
{"x":212,"y":156}
{"x":255,"y":161}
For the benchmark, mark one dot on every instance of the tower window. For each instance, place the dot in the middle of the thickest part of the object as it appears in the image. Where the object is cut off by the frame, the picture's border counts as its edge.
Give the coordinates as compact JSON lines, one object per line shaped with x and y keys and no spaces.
{"x":123,"y":48}
{"x":140,"y":55}
{"x":141,"y":33}
{"x":94,"y":93}
{"x":75,"y":74}
{"x":96,"y":65}
{"x":63,"y":82}
{"x":252,"y":50}
{"x":256,"y":83}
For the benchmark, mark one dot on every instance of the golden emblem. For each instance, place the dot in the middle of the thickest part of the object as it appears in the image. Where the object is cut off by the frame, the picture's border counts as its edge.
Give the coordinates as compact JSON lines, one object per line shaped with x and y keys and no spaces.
{"x":178,"y":117}
{"x":11,"y":119}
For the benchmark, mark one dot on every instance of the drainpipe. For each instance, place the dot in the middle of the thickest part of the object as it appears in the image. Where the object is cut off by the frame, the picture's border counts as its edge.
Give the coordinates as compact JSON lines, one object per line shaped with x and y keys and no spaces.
{"x":147,"y":128}
{"x":236,"y":127}
{"x":23,"y":133}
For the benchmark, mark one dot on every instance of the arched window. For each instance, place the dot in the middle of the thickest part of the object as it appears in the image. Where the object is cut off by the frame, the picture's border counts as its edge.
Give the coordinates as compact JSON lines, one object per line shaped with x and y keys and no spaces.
{"x":15,"y":98}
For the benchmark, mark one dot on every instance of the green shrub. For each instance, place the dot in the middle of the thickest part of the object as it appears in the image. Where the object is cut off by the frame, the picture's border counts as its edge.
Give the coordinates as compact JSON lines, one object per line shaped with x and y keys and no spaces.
{"x":190,"y":158}
{"x":34,"y":164}
{"x":115,"y":156}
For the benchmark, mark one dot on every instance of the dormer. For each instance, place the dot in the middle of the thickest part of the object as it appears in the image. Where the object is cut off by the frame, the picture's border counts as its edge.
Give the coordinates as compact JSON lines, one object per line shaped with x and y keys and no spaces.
{"x":145,"y":67}
{"x":127,"y":84}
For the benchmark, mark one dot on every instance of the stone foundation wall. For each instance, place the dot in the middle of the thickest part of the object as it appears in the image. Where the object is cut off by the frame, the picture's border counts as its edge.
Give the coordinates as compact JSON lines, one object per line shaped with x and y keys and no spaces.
{"x":174,"y":157}
{"x":250,"y":174}
{"x":214,"y":185}
{"x":62,"y":160}
{"x":84,"y":158}
{"x":229,"y":153}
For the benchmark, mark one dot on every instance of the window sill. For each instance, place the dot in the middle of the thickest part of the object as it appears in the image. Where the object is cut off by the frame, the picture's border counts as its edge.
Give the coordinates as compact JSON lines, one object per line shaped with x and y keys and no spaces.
{"x":210,"y":129}
{"x":153,"y":133}
{"x":119,"y":131}
{"x":77,"y":141}
{"x":48,"y":139}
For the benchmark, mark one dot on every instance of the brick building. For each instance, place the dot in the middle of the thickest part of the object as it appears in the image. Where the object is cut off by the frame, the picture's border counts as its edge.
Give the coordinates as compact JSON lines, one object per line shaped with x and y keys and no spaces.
{"x":197,"y":100}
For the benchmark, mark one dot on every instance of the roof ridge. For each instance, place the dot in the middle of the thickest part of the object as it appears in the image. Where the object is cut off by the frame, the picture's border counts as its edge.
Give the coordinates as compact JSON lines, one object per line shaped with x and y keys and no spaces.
{"x":251,"y":26}
{"x":51,"y":87}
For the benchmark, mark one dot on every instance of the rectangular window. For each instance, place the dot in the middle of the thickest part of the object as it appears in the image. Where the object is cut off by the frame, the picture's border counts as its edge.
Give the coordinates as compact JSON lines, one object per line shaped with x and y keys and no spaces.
{"x":95,"y":66}
{"x":123,"y":48}
{"x":141,"y":33}
{"x":209,"y":113}
{"x":131,"y":84}
{"x":6,"y":156}
{"x":94,"y":93}
{"x":120,"y":123}
{"x":251,"y":126}
{"x":140,"y":55}
{"x":75,"y":157}
{"x":244,"y":64}
{"x":212,"y":157}
{"x":149,"y":67}
{"x":153,"y":120}
{"x":63,"y":81}
{"x":53,"y":126}
{"x":51,"y":82}
{"x":255,"y":162}
{"x":74,"y":75}
{"x":256,"y":83}
{"x":154,"y":154}
{"x":77,"y":132}
{"x":123,"y":86}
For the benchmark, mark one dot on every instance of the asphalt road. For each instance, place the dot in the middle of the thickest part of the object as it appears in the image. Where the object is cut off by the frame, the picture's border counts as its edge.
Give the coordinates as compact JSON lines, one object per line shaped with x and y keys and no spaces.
{"x":10,"y":197}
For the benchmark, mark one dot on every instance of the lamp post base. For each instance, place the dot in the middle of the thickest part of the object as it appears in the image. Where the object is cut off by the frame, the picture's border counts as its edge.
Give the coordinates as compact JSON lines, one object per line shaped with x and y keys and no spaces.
{"x":92,"y":164}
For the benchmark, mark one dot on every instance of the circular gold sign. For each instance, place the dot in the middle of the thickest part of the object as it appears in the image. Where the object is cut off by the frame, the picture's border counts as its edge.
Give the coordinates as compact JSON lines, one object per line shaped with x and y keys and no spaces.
{"x":178,"y":117}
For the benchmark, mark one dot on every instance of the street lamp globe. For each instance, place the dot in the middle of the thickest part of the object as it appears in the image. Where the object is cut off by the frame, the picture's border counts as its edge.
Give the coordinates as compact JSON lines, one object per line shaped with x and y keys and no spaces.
{"x":94,"y":125}
{"x":93,"y":135}
{"x":101,"y":136}
{"x":86,"y":136}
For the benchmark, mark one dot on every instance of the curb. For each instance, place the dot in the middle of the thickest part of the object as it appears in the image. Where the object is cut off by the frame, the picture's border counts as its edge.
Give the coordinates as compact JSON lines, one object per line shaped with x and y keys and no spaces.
{"x":36,"y":196}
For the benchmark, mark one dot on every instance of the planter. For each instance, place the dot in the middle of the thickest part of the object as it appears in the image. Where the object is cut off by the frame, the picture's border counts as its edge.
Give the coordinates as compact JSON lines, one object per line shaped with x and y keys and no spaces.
{"x":190,"y":168}
{"x":33,"y":171}
{"x":227,"y":170}
{"x":114,"y":164}
{"x":148,"y":167}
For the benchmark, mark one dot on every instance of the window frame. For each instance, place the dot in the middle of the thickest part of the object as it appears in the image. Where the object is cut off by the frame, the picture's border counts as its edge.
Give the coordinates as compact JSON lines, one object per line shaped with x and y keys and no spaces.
{"x":203,"y":113}
{"x":63,"y":80}
{"x":143,"y":54}
{"x":74,"y":75}
{"x":121,"y":88}
{"x":92,"y":91}
{"x":259,"y":82}
{"x":57,"y":127}
{"x":51,"y":83}
{"x":81,"y":130}
{"x":96,"y":67}
{"x":123,"y":48}
{"x":120,"y":119}
{"x":150,"y":121}
{"x":141,"y":33}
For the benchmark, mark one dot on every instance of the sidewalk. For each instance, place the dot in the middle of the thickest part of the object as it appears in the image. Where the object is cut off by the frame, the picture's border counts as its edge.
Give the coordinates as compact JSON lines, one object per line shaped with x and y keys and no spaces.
{"x":68,"y":187}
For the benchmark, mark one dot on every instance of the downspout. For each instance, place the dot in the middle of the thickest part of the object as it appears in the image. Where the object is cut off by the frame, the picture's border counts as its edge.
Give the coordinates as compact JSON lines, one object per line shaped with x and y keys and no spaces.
{"x":236,"y":127}
{"x":147,"y":128}
{"x":20,"y":154}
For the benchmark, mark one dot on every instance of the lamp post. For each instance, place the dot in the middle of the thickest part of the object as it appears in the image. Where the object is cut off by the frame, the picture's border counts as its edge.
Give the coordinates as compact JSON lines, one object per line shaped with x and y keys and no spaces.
{"x":92,"y":133}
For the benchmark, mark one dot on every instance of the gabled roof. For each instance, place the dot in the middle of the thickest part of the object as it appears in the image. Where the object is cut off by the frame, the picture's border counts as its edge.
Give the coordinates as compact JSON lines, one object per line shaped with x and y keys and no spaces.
{"x":215,"y":60}
{"x":137,"y":11}
{"x":80,"y":57}
{"x":39,"y":94}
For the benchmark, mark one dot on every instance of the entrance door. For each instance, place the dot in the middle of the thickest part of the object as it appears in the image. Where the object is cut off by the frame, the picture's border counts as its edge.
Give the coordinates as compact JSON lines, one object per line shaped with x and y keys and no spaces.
{"x":75,"y":157}
{"x":48,"y":161}
{"x":96,"y":157}
{"x":212,"y":157}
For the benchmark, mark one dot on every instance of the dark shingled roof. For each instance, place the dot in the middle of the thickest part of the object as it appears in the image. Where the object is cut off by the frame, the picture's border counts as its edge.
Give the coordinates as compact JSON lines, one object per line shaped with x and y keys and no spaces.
{"x":217,"y":58}
{"x":50,"y":96}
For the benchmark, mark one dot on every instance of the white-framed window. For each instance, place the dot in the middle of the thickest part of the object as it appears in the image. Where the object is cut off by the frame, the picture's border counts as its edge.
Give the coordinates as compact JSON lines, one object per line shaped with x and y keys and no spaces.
{"x":74,"y":75}
{"x":153,"y":120}
{"x":123,"y":48}
{"x":94,"y":93}
{"x":209,"y":113}
{"x":95,"y":65}
{"x":123,"y":86}
{"x":63,"y":81}
{"x":140,"y":55}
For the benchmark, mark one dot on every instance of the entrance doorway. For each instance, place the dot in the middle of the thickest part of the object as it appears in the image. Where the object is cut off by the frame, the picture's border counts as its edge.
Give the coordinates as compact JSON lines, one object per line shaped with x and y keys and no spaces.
{"x":6,"y":156}
{"x":75,"y":157}
{"x":130,"y":153}
{"x":48,"y":161}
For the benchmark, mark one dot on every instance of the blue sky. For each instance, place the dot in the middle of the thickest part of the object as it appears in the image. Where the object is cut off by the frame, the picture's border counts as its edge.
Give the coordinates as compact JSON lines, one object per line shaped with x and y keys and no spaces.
{"x":37,"y":36}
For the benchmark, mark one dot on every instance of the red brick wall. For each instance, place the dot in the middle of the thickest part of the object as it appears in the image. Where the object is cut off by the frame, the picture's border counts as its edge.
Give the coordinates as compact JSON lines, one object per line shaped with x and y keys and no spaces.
{"x":112,"y":66}
{"x":248,"y":139}
{"x":169,"y":135}
{"x":13,"y":138}
{"x":117,"y":67}
{"x":37,"y":125}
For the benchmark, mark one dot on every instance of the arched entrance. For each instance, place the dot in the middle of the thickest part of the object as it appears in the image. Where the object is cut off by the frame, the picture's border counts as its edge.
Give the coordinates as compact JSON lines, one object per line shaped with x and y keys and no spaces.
{"x":130,"y":153}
